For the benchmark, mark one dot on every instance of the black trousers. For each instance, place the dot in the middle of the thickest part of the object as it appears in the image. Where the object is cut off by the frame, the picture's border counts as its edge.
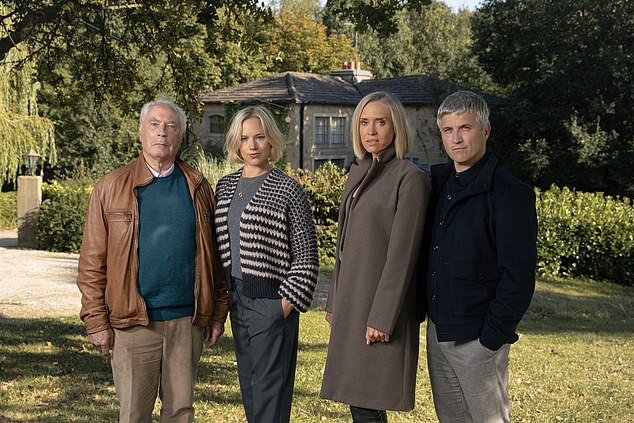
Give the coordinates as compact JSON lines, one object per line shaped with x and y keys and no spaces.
{"x":367,"y":415}
{"x":266,"y":352}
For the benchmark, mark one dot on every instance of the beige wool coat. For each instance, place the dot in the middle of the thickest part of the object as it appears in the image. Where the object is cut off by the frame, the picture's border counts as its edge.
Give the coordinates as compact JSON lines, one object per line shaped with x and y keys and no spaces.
{"x":374,"y":284}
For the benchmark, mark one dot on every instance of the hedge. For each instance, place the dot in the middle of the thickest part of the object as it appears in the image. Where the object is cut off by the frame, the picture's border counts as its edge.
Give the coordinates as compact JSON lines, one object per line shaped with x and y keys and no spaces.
{"x":585,"y":234}
{"x":8,"y":210}
{"x":62,"y":213}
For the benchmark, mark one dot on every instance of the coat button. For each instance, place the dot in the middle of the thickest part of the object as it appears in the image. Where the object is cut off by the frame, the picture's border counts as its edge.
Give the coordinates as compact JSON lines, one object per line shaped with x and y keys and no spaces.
{"x":442,"y":222}
{"x":435,"y":247}
{"x":449,"y":197}
{"x":433,"y":297}
{"x":433,"y":274}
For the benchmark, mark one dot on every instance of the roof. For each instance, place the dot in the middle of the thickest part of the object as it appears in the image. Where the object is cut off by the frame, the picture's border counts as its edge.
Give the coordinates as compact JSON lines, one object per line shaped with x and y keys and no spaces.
{"x":309,"y":88}
{"x":291,"y":87}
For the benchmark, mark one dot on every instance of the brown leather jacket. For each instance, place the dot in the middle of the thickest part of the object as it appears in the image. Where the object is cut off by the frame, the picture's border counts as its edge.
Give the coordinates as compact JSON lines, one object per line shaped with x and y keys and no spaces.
{"x":109,"y":263}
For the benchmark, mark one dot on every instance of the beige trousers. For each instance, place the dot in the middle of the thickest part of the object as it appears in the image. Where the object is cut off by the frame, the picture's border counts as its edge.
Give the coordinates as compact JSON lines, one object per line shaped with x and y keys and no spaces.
{"x":163,"y":358}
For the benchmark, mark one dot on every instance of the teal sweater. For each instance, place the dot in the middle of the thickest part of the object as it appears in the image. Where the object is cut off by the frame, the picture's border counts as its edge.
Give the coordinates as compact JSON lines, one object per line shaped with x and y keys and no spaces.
{"x":167,"y":247}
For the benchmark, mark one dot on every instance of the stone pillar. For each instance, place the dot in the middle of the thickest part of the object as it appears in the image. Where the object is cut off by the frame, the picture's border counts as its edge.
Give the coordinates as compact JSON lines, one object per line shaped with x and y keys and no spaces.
{"x":29,"y":199}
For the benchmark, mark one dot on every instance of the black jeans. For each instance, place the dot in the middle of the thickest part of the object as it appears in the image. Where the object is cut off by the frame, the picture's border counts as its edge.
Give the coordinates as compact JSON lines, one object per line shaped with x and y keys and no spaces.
{"x":367,"y":415}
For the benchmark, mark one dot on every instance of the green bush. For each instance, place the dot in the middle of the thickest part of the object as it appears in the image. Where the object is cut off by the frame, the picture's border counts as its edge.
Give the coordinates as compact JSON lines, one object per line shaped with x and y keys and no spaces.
{"x":585,"y":234}
{"x":62,"y":213}
{"x":324,"y":188}
{"x":8,"y":210}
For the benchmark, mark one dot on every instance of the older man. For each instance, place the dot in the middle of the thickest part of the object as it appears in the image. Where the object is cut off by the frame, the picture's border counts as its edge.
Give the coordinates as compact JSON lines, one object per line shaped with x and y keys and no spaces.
{"x":152,"y":285}
{"x":480,"y":267}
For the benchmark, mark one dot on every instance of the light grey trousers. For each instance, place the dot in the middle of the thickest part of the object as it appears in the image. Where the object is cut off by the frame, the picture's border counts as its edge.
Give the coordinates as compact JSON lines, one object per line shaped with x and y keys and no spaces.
{"x":468,"y":384}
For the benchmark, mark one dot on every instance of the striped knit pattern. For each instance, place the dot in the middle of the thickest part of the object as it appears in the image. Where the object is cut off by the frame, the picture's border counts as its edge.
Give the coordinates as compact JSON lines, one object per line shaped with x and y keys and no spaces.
{"x":278,"y":245}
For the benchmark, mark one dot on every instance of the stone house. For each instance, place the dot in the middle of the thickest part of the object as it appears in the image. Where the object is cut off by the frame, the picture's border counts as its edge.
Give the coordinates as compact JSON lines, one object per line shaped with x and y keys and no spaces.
{"x":318,"y":110}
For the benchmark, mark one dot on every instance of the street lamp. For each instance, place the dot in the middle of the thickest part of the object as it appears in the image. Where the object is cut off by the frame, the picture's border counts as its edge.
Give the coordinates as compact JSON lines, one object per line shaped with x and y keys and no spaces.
{"x":31,"y":160}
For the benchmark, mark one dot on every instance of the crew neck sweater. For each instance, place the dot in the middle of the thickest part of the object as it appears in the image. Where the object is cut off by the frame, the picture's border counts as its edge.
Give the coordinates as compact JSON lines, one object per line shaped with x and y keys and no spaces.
{"x":167,"y":248}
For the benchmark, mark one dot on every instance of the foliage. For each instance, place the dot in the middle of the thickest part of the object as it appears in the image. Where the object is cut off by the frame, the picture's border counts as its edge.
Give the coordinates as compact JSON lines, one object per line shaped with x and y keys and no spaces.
{"x":585,"y":235}
{"x":213,"y":168}
{"x":62,"y":214}
{"x":8,"y":210}
{"x":368,"y":15}
{"x":572,"y":363}
{"x":108,"y":44}
{"x":98,"y":62}
{"x":21,"y":127}
{"x":298,"y":43}
{"x":324,"y":188}
{"x":432,"y":41}
{"x":568,"y":74}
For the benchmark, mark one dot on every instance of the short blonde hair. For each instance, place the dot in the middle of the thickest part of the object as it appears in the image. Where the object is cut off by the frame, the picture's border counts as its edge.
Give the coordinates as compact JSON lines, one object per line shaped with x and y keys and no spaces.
{"x":397,"y":113}
{"x":271,"y":131}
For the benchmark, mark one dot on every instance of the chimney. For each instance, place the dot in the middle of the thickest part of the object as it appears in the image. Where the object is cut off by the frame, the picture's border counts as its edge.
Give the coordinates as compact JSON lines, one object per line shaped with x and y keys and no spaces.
{"x":352,"y":72}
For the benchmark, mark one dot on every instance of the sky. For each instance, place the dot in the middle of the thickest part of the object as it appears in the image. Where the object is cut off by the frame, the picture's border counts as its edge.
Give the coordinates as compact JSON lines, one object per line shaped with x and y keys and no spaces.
{"x":456,"y":4}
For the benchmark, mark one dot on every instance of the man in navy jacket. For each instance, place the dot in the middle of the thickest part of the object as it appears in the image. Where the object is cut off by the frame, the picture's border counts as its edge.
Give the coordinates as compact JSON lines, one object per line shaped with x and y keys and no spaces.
{"x":479,"y":258}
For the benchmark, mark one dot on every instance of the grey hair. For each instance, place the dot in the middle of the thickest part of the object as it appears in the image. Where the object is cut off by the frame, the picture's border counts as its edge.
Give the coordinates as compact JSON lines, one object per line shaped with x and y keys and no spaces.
{"x":464,"y":101}
{"x":182,"y":119}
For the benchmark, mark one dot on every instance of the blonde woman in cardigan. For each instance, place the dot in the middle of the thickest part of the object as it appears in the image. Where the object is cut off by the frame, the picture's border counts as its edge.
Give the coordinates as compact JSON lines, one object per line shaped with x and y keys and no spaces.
{"x":267,"y":244}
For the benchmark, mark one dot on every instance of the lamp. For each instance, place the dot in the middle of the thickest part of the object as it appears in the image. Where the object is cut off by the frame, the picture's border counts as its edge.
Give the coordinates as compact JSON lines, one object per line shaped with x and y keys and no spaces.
{"x":31,"y":160}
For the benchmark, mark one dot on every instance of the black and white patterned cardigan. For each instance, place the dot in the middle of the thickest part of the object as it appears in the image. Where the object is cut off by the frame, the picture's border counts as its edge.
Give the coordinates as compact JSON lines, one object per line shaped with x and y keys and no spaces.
{"x":278,"y":245}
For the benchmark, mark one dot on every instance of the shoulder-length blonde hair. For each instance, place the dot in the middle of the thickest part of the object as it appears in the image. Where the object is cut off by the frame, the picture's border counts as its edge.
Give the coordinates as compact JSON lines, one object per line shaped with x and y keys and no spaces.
{"x":271,"y":131}
{"x":397,"y":113}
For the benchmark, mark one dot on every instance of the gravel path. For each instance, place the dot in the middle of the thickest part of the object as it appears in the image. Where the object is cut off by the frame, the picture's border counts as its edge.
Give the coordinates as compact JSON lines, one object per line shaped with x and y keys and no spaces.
{"x":37,"y":283}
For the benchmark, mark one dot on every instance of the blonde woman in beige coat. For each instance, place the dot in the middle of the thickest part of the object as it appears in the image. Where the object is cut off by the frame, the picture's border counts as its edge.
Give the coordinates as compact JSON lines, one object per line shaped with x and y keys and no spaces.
{"x":373,"y":350}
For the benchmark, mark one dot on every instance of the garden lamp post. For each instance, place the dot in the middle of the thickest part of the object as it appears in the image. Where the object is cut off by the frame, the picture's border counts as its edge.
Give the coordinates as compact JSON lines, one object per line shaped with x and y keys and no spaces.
{"x":29,"y":199}
{"x":31,"y":160}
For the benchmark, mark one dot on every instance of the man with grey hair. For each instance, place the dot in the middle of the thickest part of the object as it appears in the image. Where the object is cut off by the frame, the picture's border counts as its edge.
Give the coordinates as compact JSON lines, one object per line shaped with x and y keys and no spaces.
{"x":479,"y":259}
{"x":153,"y":289}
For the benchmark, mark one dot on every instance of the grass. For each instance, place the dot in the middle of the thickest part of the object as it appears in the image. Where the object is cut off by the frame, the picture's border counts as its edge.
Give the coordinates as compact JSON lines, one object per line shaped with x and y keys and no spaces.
{"x":573,"y":363}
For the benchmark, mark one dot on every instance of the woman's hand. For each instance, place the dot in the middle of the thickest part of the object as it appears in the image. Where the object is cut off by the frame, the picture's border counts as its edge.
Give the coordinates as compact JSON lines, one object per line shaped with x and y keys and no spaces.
{"x":287,"y":308}
{"x":329,"y":318}
{"x":374,"y":335}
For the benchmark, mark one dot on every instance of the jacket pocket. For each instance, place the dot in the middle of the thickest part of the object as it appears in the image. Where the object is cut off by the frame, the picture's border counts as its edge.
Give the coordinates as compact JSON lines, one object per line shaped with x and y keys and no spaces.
{"x":473,"y":287}
{"x":119,"y":216}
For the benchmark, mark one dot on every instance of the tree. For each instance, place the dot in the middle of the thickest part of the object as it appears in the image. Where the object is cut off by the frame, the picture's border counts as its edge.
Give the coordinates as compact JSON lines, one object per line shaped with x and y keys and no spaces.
{"x":107,"y":42}
{"x":98,"y":62}
{"x":367,"y":15}
{"x":432,"y":41}
{"x":298,"y":43}
{"x":21,"y":128}
{"x":568,"y":65}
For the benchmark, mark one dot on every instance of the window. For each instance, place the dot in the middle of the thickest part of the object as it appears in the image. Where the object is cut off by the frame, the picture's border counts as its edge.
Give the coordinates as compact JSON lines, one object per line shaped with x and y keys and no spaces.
{"x":330,"y":130}
{"x":320,"y":162}
{"x":216,"y":124}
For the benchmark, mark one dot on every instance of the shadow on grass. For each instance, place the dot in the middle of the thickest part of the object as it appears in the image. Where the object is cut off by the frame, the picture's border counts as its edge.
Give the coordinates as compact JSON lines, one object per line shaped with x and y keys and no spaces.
{"x":49,"y":373}
{"x":555,"y":312}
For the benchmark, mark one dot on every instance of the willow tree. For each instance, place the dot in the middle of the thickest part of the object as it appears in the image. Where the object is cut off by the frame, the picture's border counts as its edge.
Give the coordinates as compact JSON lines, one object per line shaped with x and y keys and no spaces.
{"x":21,"y":128}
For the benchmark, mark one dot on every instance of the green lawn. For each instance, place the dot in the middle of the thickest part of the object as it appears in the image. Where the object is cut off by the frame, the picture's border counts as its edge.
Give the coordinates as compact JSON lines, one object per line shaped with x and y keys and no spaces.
{"x":573,"y":363}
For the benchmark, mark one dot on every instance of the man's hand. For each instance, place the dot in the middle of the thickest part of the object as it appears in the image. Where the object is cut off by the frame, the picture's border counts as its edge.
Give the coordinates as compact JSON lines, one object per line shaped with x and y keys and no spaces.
{"x":490,"y":351}
{"x":329,"y":318}
{"x":103,"y":341}
{"x":287,"y":307}
{"x":374,"y":335}
{"x":213,"y":333}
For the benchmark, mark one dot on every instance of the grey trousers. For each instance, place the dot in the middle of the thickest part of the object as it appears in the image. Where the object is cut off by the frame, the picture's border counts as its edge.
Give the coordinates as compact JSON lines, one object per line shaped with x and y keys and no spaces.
{"x":266,"y":352}
{"x":468,"y":384}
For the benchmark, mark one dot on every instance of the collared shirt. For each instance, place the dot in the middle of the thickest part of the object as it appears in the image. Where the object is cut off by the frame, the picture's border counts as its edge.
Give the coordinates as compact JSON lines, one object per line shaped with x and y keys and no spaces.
{"x":154,"y":173}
